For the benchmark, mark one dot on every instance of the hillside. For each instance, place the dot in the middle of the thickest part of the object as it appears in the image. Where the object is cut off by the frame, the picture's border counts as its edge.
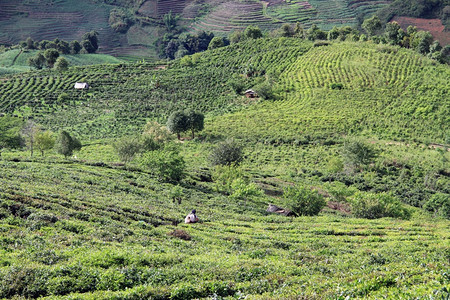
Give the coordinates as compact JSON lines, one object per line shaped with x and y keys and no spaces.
{"x":92,"y":226}
{"x":69,"y":20}
{"x":409,"y":91}
{"x":15,"y":61}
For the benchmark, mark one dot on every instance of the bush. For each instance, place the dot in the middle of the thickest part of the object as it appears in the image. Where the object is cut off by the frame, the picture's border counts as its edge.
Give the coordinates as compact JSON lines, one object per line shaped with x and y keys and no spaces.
{"x":439,"y":205}
{"x":227,"y":153}
{"x":357,"y":153}
{"x":303,"y":201}
{"x":224,"y":175}
{"x":127,"y":148}
{"x":374,"y":206}
{"x":65,"y":144}
{"x":167,"y":165}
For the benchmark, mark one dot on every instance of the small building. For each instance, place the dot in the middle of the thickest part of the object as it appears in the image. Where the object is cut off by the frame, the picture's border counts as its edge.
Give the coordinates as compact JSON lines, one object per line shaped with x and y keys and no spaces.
{"x":81,"y":86}
{"x":250,"y":94}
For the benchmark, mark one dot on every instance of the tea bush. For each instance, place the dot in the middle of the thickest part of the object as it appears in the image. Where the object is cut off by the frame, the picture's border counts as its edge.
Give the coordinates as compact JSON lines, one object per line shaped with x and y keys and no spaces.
{"x":374,"y":206}
{"x":303,"y":201}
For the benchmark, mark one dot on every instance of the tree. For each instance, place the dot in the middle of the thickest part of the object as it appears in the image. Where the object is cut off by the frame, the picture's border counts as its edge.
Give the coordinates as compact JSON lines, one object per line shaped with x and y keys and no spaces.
{"x":51,"y":55}
{"x":75,"y":47}
{"x":227,"y":153}
{"x":216,"y":42}
{"x":90,"y":41}
{"x":303,"y":201}
{"x":65,"y":144}
{"x":253,"y":32}
{"x":10,"y":132}
{"x":315,"y":33}
{"x":61,"y":64}
{"x":286,"y":30}
{"x":127,"y":148}
{"x":299,"y":31}
{"x":195,"y":121}
{"x":177,"y":123}
{"x":356,"y":153}
{"x":372,"y":25}
{"x":166,"y":164}
{"x":236,"y":36}
{"x":63,"y":47}
{"x":30,"y":43}
{"x":170,"y":21}
{"x":29,"y":132}
{"x":421,"y":41}
{"x":44,"y":141}
{"x":392,"y":33}
{"x":37,"y":61}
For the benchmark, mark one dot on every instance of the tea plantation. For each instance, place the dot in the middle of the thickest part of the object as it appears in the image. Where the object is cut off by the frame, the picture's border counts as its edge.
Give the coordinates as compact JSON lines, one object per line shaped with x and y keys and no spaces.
{"x":91,"y":226}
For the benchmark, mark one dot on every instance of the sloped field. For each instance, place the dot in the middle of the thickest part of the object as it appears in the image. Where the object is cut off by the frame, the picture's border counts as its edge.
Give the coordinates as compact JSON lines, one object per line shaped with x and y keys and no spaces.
{"x":397,"y":84}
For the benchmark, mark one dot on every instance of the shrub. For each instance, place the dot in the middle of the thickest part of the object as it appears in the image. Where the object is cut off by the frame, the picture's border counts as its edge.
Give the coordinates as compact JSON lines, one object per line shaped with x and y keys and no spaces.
{"x":439,"y":205}
{"x":374,"y":206}
{"x":356,"y":153}
{"x":167,"y":165}
{"x":65,"y":144}
{"x":127,"y":148}
{"x":242,"y":189}
{"x":303,"y":201}
{"x":223,"y":176}
{"x":227,"y":153}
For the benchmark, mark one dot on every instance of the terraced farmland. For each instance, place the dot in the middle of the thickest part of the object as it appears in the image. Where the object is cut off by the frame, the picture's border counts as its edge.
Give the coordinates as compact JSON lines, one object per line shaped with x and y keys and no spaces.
{"x":230,"y":16}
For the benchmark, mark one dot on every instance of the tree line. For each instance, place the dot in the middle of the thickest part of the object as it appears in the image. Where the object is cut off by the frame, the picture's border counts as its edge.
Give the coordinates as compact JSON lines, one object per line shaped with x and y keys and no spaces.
{"x":49,"y":56}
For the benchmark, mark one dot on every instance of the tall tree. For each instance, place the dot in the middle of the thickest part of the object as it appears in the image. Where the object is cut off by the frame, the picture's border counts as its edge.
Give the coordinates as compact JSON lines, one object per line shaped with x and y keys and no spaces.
{"x":51,"y":55}
{"x":90,"y":41}
{"x":37,"y":61}
{"x":61,"y":64}
{"x":372,"y":25}
{"x":65,"y":144}
{"x":177,"y":123}
{"x":195,"y":121}
{"x":29,"y":132}
{"x":44,"y":141}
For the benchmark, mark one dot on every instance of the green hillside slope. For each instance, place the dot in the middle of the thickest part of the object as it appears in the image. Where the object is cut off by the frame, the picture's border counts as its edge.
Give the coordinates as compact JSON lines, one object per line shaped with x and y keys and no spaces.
{"x":90,"y":226}
{"x":387,"y":91}
{"x":16,"y":61}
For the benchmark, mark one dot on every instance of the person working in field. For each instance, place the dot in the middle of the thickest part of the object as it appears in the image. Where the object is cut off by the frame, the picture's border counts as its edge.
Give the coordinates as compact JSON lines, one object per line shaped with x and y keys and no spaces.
{"x":191,"y":218}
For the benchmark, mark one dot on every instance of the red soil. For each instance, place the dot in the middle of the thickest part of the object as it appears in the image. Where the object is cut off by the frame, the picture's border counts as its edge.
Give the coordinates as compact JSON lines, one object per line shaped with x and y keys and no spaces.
{"x":434,"y":26}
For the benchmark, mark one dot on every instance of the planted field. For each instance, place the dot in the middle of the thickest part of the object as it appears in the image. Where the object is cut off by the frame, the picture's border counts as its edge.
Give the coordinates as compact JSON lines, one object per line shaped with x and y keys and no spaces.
{"x":376,"y":81}
{"x":96,"y":231}
{"x":92,"y":227}
{"x":230,"y":16}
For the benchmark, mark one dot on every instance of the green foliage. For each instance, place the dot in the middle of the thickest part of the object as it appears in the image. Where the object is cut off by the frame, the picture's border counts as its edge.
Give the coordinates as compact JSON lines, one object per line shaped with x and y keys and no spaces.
{"x":167,"y":165}
{"x":10,"y":132}
{"x":170,"y":21}
{"x":120,"y":20}
{"x":372,"y":25}
{"x":252,"y":32}
{"x":176,"y":194}
{"x":227,"y":153}
{"x":65,"y":144}
{"x":61,"y":64}
{"x":127,"y":147}
{"x":44,"y":141}
{"x":51,"y":55}
{"x":216,"y":42}
{"x":158,"y":133}
{"x":357,"y":154}
{"x":224,"y":175}
{"x":177,"y":123}
{"x":303,"y":201}
{"x":90,"y":42}
{"x":75,"y":47}
{"x":339,"y":191}
{"x":242,"y":189}
{"x":315,"y":33}
{"x":37,"y":61}
{"x":439,"y":205}
{"x":374,"y":206}
{"x":195,"y":121}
